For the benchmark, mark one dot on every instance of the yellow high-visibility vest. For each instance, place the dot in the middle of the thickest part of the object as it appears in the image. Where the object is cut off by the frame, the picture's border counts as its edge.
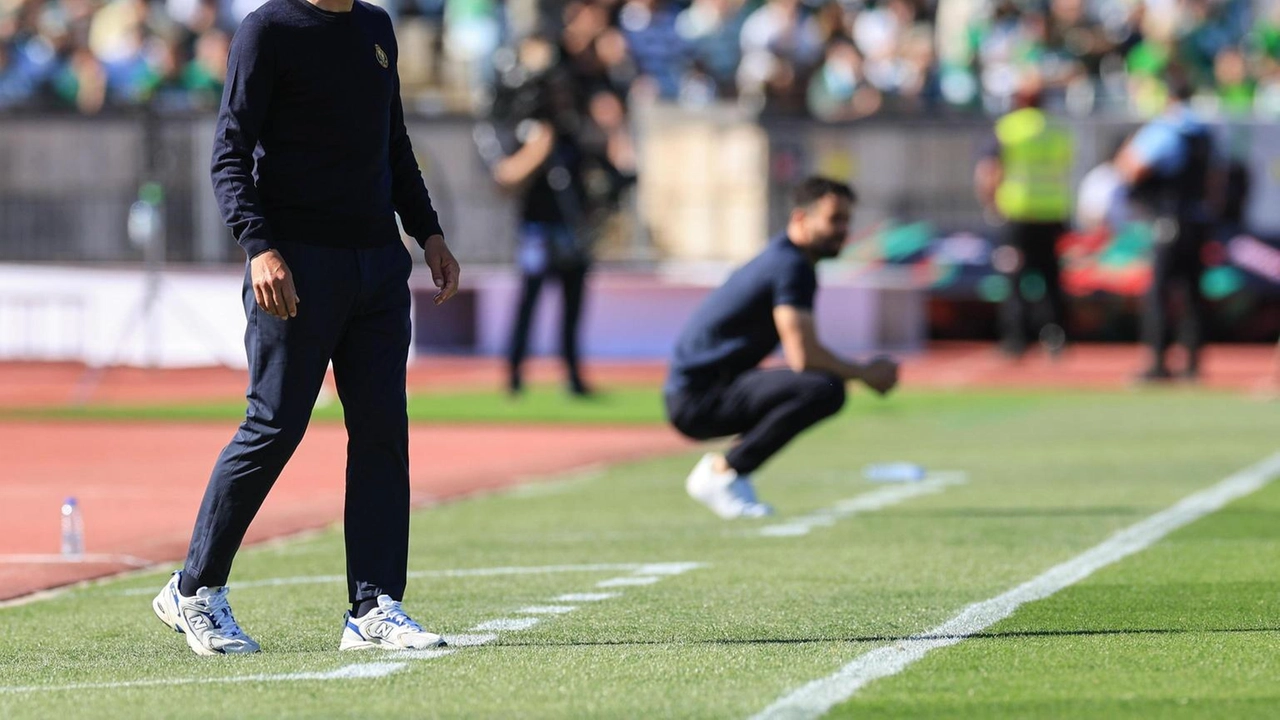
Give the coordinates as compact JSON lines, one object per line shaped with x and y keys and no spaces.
{"x":1036,"y":156}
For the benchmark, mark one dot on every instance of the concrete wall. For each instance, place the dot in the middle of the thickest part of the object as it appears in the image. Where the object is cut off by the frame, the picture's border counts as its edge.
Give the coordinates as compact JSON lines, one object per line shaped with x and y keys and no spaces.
{"x":713,"y":183}
{"x":194,"y":317}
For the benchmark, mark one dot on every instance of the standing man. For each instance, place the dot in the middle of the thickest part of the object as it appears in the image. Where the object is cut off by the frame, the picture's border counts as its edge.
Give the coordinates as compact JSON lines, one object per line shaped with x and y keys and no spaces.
{"x":714,"y":388}
{"x":532,"y":151}
{"x":311,"y":163}
{"x":1167,"y":168}
{"x":1024,"y":180}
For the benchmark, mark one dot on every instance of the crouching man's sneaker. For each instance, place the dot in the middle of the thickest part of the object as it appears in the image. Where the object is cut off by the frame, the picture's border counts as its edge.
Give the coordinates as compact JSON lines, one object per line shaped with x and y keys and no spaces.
{"x":205,"y":620}
{"x":386,"y":627}
{"x":727,"y":494}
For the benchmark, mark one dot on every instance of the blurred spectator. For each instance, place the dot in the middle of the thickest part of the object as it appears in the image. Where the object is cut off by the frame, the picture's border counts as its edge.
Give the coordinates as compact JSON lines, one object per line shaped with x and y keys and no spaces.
{"x":918,"y":55}
{"x":711,"y":29}
{"x":204,"y":76}
{"x":1076,"y":33}
{"x":1235,"y":87}
{"x":839,"y":90}
{"x":998,"y":49}
{"x":1209,"y":27}
{"x":596,"y":53}
{"x":879,"y":33}
{"x":661,"y":55}
{"x":81,"y":83}
{"x":1146,"y":63}
{"x":779,"y":44}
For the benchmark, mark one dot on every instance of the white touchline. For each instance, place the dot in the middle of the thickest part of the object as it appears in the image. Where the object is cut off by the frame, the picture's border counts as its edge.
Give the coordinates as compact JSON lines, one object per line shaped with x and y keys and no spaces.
{"x":470,"y":640}
{"x":547,"y":609}
{"x":426,"y":654}
{"x":628,"y":581}
{"x":502,"y":624}
{"x":585,"y":597}
{"x":484,"y":633}
{"x":867,"y":502}
{"x":676,"y":568}
{"x":362,"y":671}
{"x":819,"y":696}
{"x":662,"y":568}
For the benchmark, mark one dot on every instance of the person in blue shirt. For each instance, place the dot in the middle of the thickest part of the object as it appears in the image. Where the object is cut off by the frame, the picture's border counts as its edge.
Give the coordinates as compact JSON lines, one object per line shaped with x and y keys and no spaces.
{"x":1167,"y":167}
{"x":714,"y":387}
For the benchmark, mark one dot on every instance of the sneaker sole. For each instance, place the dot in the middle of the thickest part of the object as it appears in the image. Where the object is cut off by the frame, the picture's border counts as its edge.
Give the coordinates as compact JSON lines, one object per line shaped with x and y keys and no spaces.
{"x":715,"y":507}
{"x":378,"y":645}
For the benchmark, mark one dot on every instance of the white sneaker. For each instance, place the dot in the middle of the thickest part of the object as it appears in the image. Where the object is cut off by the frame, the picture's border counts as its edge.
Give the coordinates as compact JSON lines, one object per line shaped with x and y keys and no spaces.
{"x":729,"y":495}
{"x":386,"y":627}
{"x":205,"y":620}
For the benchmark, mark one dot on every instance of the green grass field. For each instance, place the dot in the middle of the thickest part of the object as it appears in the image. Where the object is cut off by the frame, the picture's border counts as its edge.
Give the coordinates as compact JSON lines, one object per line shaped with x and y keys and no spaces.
{"x":1189,"y":627}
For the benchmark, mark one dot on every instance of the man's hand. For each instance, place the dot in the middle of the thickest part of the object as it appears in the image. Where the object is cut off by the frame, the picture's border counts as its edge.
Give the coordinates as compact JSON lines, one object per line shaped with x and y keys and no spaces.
{"x":273,"y":285}
{"x":881,"y":374}
{"x":444,"y":268}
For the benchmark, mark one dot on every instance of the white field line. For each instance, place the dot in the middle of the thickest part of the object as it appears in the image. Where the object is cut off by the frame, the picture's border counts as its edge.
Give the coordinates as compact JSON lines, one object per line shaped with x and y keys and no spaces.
{"x":516,"y":624}
{"x":628,"y":581}
{"x":361,"y":671}
{"x":816,"y":698}
{"x":675,"y":568}
{"x":652,"y":568}
{"x":470,"y":640}
{"x":482,"y":634}
{"x":506,"y":624}
{"x":586,"y":597}
{"x":547,"y":609}
{"x":425,"y":654}
{"x":864,"y":503}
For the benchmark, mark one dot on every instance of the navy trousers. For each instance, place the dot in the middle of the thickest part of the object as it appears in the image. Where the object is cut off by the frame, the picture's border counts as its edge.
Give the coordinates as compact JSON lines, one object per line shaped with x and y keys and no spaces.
{"x":353,"y":310}
{"x":767,"y":408}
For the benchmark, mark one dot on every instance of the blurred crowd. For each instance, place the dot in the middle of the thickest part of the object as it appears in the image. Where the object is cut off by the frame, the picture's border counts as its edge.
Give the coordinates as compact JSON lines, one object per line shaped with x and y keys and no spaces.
{"x":830,"y":59}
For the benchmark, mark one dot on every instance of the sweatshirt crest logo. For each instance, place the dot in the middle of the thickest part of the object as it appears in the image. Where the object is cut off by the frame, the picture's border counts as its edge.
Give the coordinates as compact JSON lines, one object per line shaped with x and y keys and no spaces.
{"x":382,"y":56}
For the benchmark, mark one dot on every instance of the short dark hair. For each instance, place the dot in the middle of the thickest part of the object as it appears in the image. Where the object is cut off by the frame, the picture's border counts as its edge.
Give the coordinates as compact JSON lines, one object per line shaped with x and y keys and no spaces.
{"x":816,"y":187}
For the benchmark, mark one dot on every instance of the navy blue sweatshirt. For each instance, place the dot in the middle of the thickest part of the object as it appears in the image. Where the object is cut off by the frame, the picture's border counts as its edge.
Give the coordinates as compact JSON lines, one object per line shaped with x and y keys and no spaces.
{"x":311,"y":145}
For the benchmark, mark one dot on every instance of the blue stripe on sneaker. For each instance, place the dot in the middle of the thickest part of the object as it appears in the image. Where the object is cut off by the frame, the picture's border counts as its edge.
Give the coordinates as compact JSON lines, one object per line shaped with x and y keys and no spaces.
{"x":352,"y":626}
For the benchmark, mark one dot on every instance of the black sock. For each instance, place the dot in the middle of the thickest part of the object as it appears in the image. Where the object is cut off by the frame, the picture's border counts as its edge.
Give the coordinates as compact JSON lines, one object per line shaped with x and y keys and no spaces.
{"x":187,"y":585}
{"x":362,"y":608}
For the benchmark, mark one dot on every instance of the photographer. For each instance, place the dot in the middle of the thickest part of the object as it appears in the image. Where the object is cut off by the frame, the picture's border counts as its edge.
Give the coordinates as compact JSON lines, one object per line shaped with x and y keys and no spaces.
{"x":531,"y":145}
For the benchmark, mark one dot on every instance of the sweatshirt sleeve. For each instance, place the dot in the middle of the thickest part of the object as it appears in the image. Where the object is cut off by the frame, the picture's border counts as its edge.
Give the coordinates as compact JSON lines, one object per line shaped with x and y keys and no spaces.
{"x":245,"y":99}
{"x":408,"y":191}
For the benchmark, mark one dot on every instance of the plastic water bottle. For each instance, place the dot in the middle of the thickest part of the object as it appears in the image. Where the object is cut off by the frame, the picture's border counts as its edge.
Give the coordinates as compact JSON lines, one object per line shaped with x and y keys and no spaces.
{"x":894,"y":472}
{"x":72,"y":528}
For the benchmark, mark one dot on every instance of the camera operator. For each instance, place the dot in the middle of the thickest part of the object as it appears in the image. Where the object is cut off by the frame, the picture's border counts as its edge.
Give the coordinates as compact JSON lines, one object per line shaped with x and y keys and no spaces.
{"x":531,"y":145}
